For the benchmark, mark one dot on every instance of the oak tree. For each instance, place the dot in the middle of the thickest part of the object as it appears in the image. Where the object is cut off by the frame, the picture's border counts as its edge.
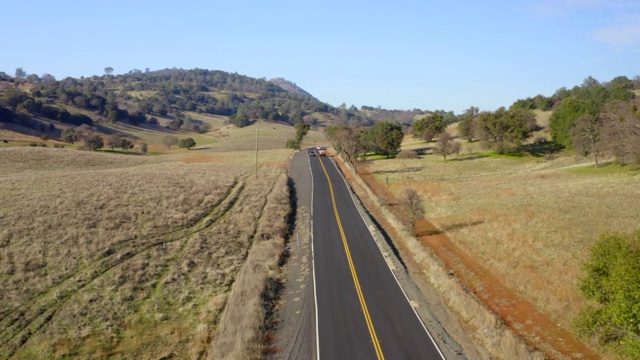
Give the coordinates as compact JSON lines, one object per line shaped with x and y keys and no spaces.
{"x":170,"y":140}
{"x":414,"y":206}
{"x":187,"y":143}
{"x":446,"y":145}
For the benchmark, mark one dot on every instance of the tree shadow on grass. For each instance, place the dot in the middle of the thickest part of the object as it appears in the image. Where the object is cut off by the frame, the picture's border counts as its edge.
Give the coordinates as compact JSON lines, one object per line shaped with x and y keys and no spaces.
{"x":406,"y":169}
{"x":120,"y":152}
{"x":469,"y":157}
{"x":422,"y":150}
{"x":431,"y":230}
{"x":541,"y":148}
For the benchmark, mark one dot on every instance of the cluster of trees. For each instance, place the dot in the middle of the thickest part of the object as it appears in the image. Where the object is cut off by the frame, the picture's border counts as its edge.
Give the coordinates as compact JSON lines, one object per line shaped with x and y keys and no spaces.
{"x":600,"y":120}
{"x":119,"y":141}
{"x":615,"y":131}
{"x":15,"y":102}
{"x":167,"y":93}
{"x":382,"y":138}
{"x":427,"y":127}
{"x":587,"y":99}
{"x":617,"y":88}
{"x":171,"y":140}
{"x":39,"y":103}
{"x":141,"y":96}
{"x":502,"y":130}
{"x":88,"y":134}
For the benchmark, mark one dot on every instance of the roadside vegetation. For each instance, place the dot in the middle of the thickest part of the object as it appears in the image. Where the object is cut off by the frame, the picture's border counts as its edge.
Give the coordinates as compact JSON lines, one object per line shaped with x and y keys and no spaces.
{"x":526,"y":195}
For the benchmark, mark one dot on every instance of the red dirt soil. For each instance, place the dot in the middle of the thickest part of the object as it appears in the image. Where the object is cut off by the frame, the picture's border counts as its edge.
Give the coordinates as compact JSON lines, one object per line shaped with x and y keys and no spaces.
{"x":518,"y":314}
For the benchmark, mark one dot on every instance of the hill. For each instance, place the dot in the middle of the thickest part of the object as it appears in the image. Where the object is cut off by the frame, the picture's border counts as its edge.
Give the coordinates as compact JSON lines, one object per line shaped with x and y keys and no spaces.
{"x":291,"y":87}
{"x":195,"y":101}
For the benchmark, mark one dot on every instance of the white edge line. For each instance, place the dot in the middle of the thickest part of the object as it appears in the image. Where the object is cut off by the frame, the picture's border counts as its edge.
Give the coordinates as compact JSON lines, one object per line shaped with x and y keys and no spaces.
{"x":313,"y":264}
{"x":385,"y":261}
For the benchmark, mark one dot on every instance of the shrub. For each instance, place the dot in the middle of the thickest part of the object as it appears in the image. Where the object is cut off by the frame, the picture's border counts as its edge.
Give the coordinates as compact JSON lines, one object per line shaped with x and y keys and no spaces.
{"x":612,"y":283}
{"x":407,"y":154}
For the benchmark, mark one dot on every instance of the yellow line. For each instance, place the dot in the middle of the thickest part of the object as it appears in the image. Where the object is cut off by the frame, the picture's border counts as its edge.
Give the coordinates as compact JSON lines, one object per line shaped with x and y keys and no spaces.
{"x":363,"y":304}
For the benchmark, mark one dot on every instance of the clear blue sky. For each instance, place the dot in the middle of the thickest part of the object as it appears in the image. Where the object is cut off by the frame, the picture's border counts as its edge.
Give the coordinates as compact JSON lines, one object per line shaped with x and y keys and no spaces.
{"x":399,"y":54}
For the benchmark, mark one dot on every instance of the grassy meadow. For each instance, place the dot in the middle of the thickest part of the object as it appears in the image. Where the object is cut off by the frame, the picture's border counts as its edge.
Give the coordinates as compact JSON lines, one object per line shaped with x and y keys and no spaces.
{"x":109,"y":255}
{"x":529,"y":221}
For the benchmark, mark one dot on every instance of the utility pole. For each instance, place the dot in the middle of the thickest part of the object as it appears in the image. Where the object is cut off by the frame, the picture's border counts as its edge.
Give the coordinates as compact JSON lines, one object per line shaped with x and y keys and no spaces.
{"x":257,"y":132}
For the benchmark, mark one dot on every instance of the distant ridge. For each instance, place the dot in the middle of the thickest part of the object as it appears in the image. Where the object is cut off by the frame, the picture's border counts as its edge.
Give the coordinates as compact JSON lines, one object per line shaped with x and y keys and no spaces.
{"x":291,"y":87}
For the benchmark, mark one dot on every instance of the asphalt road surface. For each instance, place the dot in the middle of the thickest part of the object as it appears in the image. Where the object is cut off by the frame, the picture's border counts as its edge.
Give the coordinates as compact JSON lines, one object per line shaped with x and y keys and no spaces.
{"x":362,"y":312}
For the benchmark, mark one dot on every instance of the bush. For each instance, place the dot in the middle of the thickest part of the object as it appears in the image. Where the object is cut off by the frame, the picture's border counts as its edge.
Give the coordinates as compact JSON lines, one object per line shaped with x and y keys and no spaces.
{"x":612,"y":284}
{"x":293,"y":144}
{"x":407,"y":154}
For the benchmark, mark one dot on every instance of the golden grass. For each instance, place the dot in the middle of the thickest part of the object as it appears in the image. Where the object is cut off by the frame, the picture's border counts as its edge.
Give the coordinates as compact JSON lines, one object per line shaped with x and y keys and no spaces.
{"x":480,"y":324}
{"x":123,"y":256}
{"x":236,"y":337}
{"x":528,"y":221}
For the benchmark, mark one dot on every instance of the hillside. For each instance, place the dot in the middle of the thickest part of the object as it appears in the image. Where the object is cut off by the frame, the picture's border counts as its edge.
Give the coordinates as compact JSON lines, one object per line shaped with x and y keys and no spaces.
{"x":196,"y":101}
{"x":291,"y":87}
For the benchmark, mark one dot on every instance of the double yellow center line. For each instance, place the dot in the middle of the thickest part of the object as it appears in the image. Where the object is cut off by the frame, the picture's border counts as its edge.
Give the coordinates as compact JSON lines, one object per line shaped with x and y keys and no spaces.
{"x":363,"y":303}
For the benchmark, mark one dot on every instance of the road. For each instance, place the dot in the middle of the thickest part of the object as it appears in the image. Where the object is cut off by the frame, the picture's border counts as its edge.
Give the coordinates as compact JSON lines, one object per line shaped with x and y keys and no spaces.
{"x":361,"y":310}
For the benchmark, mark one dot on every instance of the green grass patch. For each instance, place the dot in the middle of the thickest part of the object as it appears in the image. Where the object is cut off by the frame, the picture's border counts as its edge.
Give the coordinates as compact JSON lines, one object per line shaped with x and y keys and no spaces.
{"x":372,"y":156}
{"x":606,"y":169}
{"x":123,"y":152}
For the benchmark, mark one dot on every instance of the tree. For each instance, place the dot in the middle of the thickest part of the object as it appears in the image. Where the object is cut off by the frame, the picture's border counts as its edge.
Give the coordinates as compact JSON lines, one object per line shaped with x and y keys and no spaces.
{"x":612,"y":286}
{"x":144,"y":148}
{"x":187,"y":143}
{"x":385,"y":137}
{"x":564,"y":117}
{"x":113,"y":141}
{"x":292,"y":144}
{"x":587,"y":134}
{"x":621,"y":123}
{"x":503,"y":129}
{"x":240,"y":118}
{"x":414,"y":206}
{"x":301,"y":130}
{"x":466,"y":126}
{"x":435,"y":123}
{"x":176,"y":124}
{"x":94,"y":142}
{"x":108,"y":70}
{"x":13,"y":96}
{"x":69,"y":136}
{"x":348,"y":141}
{"x":20,"y":73}
{"x":446,"y":145}
{"x":170,"y":140}
{"x":125,"y":144}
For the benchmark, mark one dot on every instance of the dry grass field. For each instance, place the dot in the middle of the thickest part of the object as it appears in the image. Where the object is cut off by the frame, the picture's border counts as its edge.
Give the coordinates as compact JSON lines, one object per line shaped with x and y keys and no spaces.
{"x":106,"y":255}
{"x":528,"y":221}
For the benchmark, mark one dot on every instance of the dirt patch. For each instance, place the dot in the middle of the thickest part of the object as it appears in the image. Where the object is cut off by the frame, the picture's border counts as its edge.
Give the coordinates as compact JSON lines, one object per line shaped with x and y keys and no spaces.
{"x":200,"y":159}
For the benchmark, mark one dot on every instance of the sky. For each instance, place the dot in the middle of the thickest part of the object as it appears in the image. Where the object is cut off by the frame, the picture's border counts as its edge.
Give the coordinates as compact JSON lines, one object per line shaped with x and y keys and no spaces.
{"x":430,"y":55}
